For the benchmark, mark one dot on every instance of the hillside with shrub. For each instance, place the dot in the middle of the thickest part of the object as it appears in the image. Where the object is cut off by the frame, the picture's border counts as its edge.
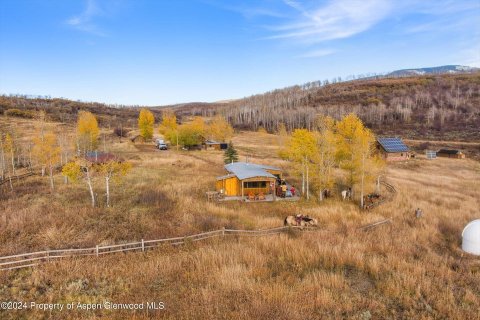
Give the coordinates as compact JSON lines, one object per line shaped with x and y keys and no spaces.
{"x":445,"y":107}
{"x":422,"y":107}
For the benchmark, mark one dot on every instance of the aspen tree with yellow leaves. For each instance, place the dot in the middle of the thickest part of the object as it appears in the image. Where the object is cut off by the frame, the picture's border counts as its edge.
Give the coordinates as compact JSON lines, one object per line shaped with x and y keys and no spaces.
{"x":47,"y":153}
{"x":87,"y":132}
{"x":146,"y":120}
{"x":324,"y":159}
{"x":169,"y":127}
{"x":355,"y":152}
{"x":219,"y":129}
{"x":301,"y":149}
{"x":192,"y":133}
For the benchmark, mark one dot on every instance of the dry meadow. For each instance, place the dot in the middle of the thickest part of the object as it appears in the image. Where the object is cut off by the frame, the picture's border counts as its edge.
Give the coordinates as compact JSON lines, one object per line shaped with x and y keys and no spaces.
{"x":411,"y":268}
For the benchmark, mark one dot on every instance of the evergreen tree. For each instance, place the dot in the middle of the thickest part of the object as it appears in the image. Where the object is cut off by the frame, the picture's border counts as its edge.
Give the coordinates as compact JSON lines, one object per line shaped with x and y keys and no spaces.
{"x":231,"y":154}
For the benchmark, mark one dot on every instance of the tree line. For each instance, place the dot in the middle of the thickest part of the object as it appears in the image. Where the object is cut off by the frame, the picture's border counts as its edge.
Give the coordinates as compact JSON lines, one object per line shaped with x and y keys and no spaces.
{"x":439,"y":104}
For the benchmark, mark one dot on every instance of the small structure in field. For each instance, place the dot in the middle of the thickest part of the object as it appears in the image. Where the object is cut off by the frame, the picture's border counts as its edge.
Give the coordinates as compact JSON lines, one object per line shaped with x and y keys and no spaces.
{"x":451,"y":153}
{"x":248,"y":178}
{"x":431,"y":154}
{"x":393,"y":149}
{"x":97,"y":157}
{"x":471,"y":237}
{"x":215,"y":145}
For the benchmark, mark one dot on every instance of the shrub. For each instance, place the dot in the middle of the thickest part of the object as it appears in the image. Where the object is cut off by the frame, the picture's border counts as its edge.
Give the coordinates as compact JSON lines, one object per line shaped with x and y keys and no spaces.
{"x":20,"y":113}
{"x":120,"y":132}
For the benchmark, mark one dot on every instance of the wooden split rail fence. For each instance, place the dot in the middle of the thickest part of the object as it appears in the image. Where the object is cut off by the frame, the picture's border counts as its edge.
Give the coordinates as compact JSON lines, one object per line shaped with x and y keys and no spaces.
{"x":390,"y":189}
{"x":17,"y":177}
{"x":31,"y":259}
{"x":374,"y":224}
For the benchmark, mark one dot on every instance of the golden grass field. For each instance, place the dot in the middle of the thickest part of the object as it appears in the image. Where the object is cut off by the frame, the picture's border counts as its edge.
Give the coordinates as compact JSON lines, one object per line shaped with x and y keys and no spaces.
{"x":409,"y":269}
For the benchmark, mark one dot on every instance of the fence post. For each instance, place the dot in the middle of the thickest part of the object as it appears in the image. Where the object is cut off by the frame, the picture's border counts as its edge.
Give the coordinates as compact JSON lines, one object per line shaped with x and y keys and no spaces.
{"x":143,"y":245}
{"x":48,"y":255}
{"x":96,"y":249}
{"x":223,"y":231}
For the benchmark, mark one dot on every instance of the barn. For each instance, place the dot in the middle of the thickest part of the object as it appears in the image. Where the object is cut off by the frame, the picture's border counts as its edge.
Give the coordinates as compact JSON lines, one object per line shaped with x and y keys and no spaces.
{"x":450,"y":153}
{"x":244,"y":178}
{"x":393,"y":149}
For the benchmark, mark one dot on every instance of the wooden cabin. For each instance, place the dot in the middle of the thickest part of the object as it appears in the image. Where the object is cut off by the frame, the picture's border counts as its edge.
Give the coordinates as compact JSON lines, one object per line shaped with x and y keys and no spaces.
{"x":243,"y":178}
{"x":215,"y":145}
{"x":450,"y":153}
{"x":393,"y":149}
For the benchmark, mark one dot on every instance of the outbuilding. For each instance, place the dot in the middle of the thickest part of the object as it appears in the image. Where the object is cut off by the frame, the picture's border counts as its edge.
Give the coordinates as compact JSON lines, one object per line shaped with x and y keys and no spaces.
{"x":245,"y":178}
{"x":393,"y":149}
{"x":215,"y":145}
{"x":451,"y":153}
{"x":471,"y":237}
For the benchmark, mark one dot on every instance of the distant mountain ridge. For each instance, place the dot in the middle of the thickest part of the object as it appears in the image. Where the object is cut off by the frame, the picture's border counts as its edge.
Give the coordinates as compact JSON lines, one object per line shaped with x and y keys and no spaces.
{"x":452,"y":69}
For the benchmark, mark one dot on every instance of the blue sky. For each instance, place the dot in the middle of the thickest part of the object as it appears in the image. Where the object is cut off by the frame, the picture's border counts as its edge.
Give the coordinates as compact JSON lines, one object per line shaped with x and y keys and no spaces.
{"x":150,"y":52}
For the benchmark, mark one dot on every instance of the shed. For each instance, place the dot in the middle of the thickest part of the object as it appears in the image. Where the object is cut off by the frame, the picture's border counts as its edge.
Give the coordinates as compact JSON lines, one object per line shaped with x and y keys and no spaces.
{"x":471,"y":237}
{"x":215,"y":145}
{"x":431,"y":154}
{"x":243,"y":178}
{"x":393,"y":149}
{"x":451,"y":153}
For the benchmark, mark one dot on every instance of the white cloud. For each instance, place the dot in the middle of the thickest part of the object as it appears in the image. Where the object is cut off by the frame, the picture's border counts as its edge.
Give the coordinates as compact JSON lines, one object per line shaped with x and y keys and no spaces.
{"x":317,"y":53}
{"x":335,"y":20}
{"x":85,"y":20}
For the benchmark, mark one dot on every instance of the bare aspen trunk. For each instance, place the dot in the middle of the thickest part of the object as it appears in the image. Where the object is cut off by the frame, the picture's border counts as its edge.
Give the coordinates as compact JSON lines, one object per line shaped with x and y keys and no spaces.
{"x":363,"y":179}
{"x":303,"y":177}
{"x":107,"y":185}
{"x":308,"y":183}
{"x":90,"y":187}
{"x":51,"y":178}
{"x":13,"y":162}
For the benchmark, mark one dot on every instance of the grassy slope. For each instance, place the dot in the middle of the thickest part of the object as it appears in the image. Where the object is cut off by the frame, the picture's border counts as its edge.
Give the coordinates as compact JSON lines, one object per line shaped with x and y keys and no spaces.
{"x":413,"y":268}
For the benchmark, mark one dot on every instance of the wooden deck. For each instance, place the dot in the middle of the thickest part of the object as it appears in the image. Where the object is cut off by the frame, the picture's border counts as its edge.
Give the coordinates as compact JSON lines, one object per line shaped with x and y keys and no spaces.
{"x":268,"y":198}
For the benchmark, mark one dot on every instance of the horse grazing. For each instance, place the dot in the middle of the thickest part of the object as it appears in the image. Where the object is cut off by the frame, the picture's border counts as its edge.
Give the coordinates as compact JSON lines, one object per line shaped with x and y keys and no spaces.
{"x":347,"y":194}
{"x":300,"y":221}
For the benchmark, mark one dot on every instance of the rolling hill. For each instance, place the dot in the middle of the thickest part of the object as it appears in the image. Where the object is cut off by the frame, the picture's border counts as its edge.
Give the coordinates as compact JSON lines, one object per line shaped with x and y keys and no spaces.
{"x":427,"y":103}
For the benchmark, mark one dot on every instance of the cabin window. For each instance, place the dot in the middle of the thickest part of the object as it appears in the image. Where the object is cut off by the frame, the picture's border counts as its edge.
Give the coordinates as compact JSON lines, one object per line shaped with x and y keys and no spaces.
{"x":256,"y":184}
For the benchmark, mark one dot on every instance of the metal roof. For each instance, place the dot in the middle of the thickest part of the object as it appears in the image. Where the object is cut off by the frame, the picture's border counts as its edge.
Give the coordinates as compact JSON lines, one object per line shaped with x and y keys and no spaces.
{"x":212,"y":142}
{"x":392,"y":144}
{"x":230,"y":175}
{"x":244,"y":170}
{"x":448,"y":151}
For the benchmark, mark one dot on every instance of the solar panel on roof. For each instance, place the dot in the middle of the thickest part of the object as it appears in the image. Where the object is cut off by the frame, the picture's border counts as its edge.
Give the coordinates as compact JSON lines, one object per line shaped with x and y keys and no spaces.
{"x":393,"y":144}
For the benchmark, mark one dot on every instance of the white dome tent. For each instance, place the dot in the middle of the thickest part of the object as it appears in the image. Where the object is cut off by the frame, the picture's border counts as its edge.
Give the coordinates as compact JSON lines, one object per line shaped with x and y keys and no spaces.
{"x":471,"y":237}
